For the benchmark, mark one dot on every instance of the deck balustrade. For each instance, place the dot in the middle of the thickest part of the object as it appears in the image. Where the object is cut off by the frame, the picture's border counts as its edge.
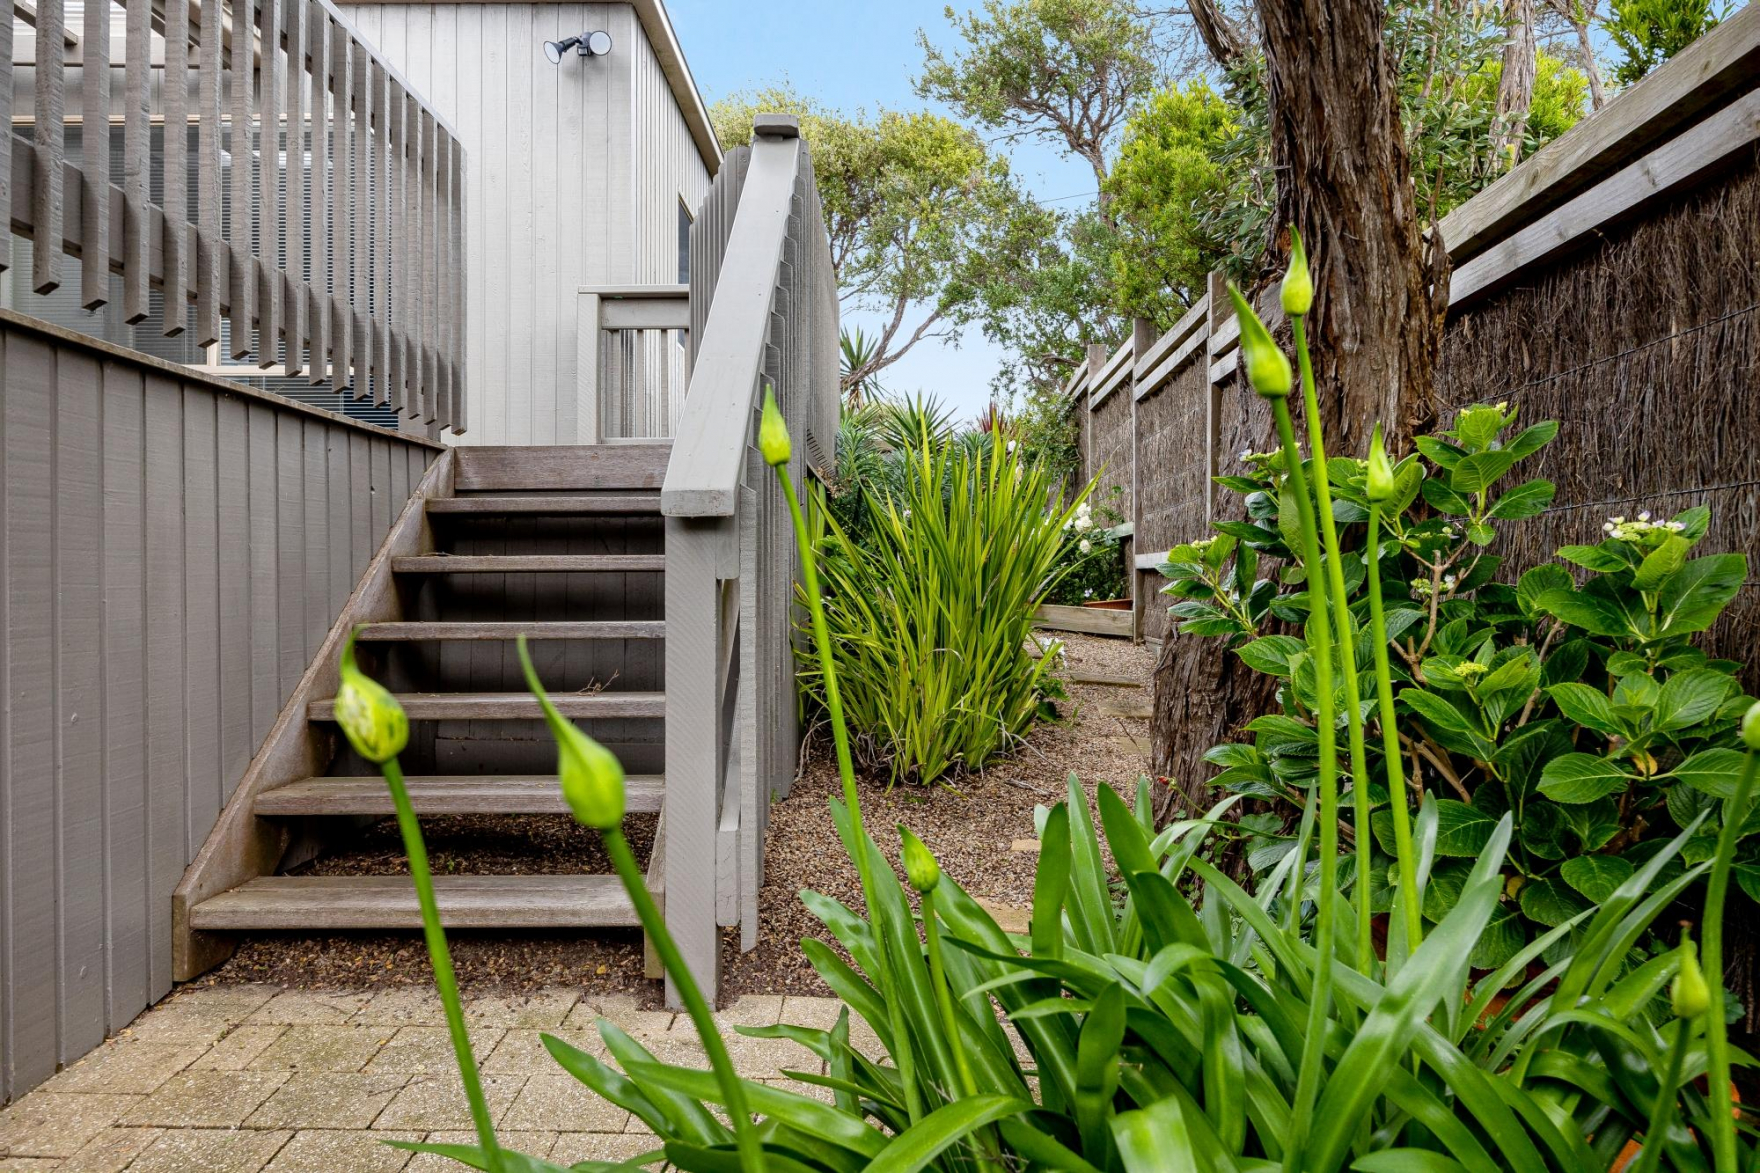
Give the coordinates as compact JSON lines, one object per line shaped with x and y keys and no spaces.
{"x":321,"y":215}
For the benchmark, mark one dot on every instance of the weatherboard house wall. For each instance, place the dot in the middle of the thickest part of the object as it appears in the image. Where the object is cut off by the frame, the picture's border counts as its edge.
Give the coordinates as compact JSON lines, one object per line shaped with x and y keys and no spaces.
{"x":578,"y":173}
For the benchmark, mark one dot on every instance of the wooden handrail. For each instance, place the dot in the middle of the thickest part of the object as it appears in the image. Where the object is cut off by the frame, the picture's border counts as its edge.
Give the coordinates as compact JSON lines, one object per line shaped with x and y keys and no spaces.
{"x":709,"y":446}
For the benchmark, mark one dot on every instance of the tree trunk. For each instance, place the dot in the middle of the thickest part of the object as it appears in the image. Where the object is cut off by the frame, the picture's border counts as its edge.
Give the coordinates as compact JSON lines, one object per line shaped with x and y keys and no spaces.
{"x":1344,"y":179}
{"x":1376,"y":329}
{"x":1515,"y":88}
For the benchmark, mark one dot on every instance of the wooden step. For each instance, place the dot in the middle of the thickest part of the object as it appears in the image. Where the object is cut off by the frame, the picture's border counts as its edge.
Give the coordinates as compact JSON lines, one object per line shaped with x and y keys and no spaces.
{"x":511,"y":706}
{"x":525,"y":563}
{"x":389,"y":902}
{"x":583,"y":629}
{"x":488,"y":468}
{"x":443,"y":795}
{"x":548,"y":506}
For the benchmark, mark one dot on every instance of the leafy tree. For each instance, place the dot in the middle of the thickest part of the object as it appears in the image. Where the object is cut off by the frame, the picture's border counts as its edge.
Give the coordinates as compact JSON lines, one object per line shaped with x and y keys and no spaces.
{"x":922,"y":217}
{"x":1067,"y":71}
{"x":1649,"y":32}
{"x":1170,"y":170}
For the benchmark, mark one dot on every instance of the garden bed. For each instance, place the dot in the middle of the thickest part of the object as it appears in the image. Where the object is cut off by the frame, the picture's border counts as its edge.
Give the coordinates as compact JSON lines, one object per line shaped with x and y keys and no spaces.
{"x":981,"y":827}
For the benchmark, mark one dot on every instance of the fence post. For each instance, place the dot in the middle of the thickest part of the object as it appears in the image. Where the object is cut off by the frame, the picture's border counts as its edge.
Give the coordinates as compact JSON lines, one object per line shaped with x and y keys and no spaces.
{"x":1218,"y":314}
{"x":1097,"y":357}
{"x":1143,"y":337}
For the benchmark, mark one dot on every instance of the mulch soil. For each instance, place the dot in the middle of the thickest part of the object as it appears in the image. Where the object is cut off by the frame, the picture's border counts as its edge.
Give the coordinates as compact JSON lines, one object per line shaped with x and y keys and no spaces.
{"x":971,"y":823}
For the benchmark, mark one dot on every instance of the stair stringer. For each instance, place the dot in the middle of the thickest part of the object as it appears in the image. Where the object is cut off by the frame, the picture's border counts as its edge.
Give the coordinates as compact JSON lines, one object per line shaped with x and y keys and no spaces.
{"x":243,"y":846}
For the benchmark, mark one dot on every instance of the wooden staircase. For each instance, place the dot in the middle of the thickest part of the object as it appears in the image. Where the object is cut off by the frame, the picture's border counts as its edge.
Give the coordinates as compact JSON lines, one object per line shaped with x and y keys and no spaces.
{"x":564,"y":545}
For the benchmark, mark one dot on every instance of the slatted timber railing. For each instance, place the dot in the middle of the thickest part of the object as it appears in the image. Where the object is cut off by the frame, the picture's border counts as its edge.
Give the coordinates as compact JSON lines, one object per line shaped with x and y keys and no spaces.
{"x":763,"y":311}
{"x":630,"y":376}
{"x":336,"y":251}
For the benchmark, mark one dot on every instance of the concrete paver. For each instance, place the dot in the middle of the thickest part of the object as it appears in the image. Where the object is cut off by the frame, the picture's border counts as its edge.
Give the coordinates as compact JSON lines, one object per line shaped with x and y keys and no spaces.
{"x":256,"y":1079}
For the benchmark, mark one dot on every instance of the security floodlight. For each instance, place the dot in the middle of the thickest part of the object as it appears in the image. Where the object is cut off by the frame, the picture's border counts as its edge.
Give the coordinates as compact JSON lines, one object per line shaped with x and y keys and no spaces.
{"x":595,"y":44}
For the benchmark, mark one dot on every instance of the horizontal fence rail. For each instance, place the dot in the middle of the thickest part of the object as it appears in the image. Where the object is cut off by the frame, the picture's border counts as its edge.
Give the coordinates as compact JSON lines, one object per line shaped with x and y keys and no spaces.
{"x":309,"y":212}
{"x":763,"y":313}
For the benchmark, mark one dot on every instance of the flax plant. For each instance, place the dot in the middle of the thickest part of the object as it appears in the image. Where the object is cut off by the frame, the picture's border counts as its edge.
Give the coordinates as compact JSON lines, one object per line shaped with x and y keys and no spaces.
{"x":1269,"y":372}
{"x":1381,"y":488}
{"x":1297,"y":294}
{"x":378,"y":729}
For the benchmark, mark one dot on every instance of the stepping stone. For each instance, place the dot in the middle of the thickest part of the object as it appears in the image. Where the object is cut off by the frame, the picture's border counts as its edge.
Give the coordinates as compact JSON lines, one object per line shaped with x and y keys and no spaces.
{"x":1078,"y":676}
{"x":1136,"y":745}
{"x":1024,"y":847}
{"x":1008,"y":917}
{"x":1133,"y":712}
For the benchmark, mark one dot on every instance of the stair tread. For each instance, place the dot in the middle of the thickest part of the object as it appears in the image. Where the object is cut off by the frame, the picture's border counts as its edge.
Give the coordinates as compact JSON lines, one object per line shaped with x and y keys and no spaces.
{"x":523,"y":794}
{"x":389,"y":902}
{"x":524,"y":563}
{"x":514,"y":706}
{"x":486,"y":630}
{"x":553,"y":506}
{"x":489,"y":468}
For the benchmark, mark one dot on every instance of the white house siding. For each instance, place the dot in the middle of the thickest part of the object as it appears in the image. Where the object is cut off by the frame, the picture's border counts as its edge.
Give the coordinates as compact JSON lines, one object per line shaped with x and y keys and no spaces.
{"x":574,"y":173}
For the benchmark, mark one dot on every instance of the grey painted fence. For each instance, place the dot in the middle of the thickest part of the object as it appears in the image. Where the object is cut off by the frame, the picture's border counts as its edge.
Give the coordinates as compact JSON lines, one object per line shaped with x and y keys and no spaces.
{"x":173,"y":549}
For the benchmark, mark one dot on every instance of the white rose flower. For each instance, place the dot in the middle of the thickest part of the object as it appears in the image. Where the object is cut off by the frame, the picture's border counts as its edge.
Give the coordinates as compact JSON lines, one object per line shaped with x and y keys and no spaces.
{"x":1086,"y":547}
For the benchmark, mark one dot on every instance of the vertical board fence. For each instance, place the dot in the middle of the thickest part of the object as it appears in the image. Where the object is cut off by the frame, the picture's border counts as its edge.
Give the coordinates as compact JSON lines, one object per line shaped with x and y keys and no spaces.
{"x":326,"y":213}
{"x":173,"y":550}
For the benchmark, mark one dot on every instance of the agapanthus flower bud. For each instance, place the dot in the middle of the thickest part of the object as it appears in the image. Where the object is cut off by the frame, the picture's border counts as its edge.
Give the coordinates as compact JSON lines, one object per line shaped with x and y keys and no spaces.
{"x":590,"y":775}
{"x":1298,"y":283}
{"x":1378,"y":481}
{"x":920,"y":867}
{"x":773,"y":442}
{"x":370,"y":717}
{"x":1267,"y":366}
{"x":1751,"y":726}
{"x":1690,"y":995}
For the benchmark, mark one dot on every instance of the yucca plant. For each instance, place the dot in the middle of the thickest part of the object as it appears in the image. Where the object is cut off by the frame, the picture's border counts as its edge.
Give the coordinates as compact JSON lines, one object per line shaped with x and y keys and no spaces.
{"x":930,"y":610}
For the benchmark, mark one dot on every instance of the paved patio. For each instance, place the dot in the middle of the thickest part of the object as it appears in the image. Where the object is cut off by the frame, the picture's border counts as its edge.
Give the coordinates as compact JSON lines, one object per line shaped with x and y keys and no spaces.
{"x":242,"y":1079}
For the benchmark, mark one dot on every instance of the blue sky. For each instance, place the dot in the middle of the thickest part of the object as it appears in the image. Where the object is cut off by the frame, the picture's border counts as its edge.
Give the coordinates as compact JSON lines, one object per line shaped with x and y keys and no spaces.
{"x":851,"y":56}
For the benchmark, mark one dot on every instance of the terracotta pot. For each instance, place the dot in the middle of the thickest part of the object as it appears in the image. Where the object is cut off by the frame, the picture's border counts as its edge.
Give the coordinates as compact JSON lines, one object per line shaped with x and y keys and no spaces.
{"x":1109,"y":604}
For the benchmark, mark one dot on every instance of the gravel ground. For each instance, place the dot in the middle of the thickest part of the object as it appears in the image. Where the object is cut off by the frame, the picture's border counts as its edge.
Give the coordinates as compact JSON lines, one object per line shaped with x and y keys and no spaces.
{"x":971,"y":824}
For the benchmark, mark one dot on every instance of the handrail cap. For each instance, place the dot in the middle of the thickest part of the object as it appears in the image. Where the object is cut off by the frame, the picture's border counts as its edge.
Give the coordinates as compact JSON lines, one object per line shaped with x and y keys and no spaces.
{"x":776,"y":126}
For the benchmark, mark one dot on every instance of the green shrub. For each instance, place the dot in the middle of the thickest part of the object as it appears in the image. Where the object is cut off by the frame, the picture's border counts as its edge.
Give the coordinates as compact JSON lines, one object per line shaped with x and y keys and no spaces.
{"x":1090,"y":561}
{"x":930,"y":612}
{"x":1581,"y":706}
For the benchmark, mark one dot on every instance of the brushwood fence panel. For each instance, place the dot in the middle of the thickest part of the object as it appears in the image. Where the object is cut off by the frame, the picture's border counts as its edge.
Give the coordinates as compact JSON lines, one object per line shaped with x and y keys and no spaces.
{"x":175,"y":548}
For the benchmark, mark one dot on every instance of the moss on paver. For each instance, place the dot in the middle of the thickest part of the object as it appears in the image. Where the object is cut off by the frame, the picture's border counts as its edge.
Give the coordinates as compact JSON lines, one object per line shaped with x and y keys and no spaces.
{"x":252,"y":1079}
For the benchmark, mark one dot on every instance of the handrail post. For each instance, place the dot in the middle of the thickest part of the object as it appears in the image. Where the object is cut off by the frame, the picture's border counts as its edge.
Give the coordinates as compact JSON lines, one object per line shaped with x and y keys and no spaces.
{"x":695,"y":745}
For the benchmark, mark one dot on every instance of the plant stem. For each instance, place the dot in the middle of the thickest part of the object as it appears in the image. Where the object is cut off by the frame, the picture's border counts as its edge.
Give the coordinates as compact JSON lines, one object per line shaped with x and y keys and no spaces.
{"x":944,"y":999}
{"x":901,"y":1044}
{"x":441,"y":957}
{"x":745,"y":1134}
{"x":1723,"y":1125}
{"x":1341,"y":609}
{"x":1396,"y":781}
{"x":1655,"y":1132}
{"x":1319,"y":1005}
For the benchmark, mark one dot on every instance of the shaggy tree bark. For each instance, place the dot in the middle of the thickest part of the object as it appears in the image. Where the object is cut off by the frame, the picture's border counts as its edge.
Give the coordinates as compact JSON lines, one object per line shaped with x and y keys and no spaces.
{"x":1515,"y":87}
{"x":1344,"y":180}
